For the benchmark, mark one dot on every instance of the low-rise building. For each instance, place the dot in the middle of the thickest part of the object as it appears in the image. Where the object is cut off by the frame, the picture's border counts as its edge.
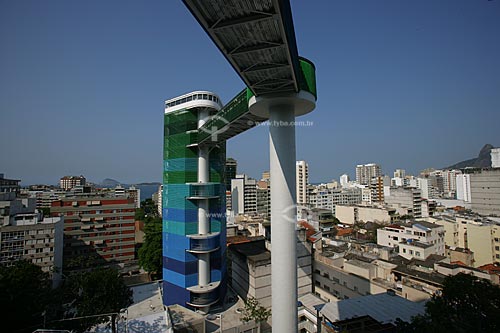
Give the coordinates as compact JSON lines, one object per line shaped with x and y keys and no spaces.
{"x":26,"y":235}
{"x":403,"y":234}
{"x":251,"y":269}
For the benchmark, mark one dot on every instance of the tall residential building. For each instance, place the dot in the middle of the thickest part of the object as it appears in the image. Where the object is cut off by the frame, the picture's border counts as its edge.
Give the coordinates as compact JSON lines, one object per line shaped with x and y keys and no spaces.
{"x":68,"y":182}
{"x":264,"y":198}
{"x":194,"y":225}
{"x":230,"y":170}
{"x":26,"y":235}
{"x":302,"y":179}
{"x":463,"y":187}
{"x":97,"y":225}
{"x":485,"y":191}
{"x":366,"y":172}
{"x":450,"y":182}
{"x":344,"y":180}
{"x":399,"y":173}
{"x":244,"y":195}
{"x":495,"y":157}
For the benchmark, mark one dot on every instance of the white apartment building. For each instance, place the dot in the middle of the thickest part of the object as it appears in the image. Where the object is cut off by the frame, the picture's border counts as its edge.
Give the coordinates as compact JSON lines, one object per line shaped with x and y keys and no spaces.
{"x":322,"y":196}
{"x":463,"y":187}
{"x":450,"y":181}
{"x":244,"y":195}
{"x":25,"y":235}
{"x":365,"y":173}
{"x":495,"y":158}
{"x":344,"y":180}
{"x":402,"y":235}
{"x":302,"y":179}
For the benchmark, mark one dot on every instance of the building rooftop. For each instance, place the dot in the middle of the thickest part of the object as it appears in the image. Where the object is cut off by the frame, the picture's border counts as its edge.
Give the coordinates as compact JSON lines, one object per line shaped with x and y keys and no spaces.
{"x":384,"y":308}
{"x":253,"y":250}
{"x":493,"y":268}
{"x":416,"y":244}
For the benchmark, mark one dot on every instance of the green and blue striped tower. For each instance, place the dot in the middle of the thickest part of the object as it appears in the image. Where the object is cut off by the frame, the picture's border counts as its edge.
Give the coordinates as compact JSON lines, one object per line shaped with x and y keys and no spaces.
{"x":194,"y":238}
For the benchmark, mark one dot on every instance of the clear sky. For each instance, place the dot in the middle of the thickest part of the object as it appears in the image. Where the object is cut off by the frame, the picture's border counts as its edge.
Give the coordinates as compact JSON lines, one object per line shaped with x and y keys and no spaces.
{"x":403,"y":83}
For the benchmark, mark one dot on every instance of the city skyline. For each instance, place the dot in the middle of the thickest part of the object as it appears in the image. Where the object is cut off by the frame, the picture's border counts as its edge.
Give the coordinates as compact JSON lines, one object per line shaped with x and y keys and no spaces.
{"x":402,"y":85}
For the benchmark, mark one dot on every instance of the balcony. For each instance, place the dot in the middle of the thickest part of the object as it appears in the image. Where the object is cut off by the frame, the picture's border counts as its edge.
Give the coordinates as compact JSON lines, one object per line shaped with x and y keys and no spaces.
{"x":204,"y":243}
{"x":192,"y":138}
{"x":199,"y":191}
{"x":202,"y":296}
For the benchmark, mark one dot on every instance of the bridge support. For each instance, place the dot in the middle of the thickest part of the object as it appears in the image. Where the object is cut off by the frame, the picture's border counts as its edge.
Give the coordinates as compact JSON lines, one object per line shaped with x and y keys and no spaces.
{"x":281,"y":111}
{"x":283,"y":218}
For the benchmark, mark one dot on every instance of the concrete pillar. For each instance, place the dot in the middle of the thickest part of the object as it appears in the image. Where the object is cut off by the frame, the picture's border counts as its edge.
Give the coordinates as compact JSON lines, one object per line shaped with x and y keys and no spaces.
{"x":283,"y":217}
{"x":203,"y":205}
{"x":204,"y":269}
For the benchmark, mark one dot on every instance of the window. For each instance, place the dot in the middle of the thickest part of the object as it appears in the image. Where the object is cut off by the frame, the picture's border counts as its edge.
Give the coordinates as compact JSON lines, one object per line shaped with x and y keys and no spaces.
{"x":404,"y":250}
{"x":411,"y":252}
{"x":417,"y":253}
{"x":497,"y":248}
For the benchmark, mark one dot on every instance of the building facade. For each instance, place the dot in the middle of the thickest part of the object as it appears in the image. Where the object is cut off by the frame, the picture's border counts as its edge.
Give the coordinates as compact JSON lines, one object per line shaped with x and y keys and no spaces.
{"x":194,"y":238}
{"x":302,"y":180}
{"x":97,"y":225}
{"x":26,"y":235}
{"x":365,"y":173}
{"x":244,"y":195}
{"x":485,"y":191}
{"x":68,"y":182}
{"x":230,"y":171}
{"x":408,"y":201}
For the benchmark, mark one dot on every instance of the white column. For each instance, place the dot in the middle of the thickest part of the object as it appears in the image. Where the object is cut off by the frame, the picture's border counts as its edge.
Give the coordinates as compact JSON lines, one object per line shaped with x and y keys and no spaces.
{"x":203,"y":206}
{"x":204,"y":269}
{"x":283,"y":218}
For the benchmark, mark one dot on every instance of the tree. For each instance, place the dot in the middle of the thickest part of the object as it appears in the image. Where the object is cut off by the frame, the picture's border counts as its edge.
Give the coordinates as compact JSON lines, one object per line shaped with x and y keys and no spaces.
{"x":466,"y":304}
{"x":96,"y":292}
{"x":254,"y":311}
{"x":150,"y":253}
{"x":25,"y":296}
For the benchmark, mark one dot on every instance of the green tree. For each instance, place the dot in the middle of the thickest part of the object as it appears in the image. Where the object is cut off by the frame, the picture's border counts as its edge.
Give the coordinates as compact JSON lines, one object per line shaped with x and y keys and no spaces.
{"x":150,"y":253}
{"x":101,"y":291}
{"x":25,"y":296}
{"x":466,"y":304}
{"x":254,"y":311}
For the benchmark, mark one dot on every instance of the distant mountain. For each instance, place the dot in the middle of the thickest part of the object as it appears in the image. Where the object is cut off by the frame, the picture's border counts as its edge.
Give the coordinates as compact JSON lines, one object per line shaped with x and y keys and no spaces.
{"x":149,"y":183}
{"x":483,"y":160}
{"x":108,"y":182}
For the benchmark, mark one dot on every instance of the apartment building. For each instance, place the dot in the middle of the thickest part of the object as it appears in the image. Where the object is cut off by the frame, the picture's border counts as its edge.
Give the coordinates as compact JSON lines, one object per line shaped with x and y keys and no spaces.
{"x":366,"y":172}
{"x":478,"y":234}
{"x":244,"y":195}
{"x":485,"y":191}
{"x":407,"y":201}
{"x":69,"y":182}
{"x":302,"y":180}
{"x":26,"y":235}
{"x":97,"y":224}
{"x":354,"y":214}
{"x":414,"y":239}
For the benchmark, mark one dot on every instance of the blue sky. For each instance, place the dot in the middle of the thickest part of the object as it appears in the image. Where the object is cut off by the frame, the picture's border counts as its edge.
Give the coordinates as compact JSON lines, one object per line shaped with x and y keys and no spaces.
{"x":403,"y":83}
